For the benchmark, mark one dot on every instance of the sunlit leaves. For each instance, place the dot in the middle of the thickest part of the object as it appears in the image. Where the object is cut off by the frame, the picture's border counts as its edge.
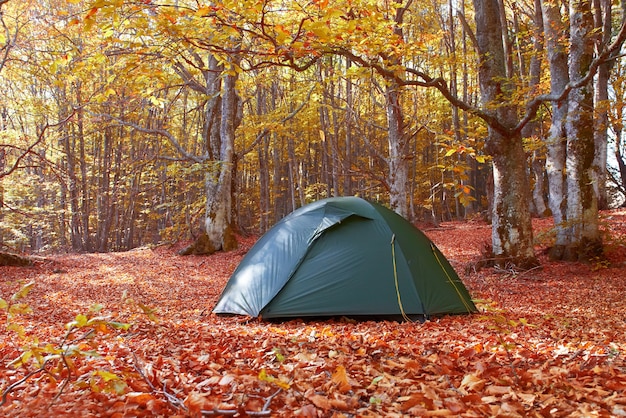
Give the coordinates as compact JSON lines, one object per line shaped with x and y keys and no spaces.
{"x":23,"y":292}
{"x":265,"y":377}
{"x":105,"y":381}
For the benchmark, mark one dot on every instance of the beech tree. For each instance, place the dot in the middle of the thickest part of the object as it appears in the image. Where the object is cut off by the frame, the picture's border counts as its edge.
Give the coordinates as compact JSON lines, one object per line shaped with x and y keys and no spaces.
{"x":583,"y":234}
{"x":616,"y":119}
{"x":512,"y":236}
{"x":322,"y":29}
{"x":4,"y":51}
{"x":573,"y":150}
{"x":194,"y":108}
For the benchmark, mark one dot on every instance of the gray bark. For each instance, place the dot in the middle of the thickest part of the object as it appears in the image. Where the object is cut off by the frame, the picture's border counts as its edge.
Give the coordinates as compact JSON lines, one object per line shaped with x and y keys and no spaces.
{"x":512,"y":236}
{"x":533,"y":128}
{"x":584,"y":240}
{"x":555,"y":158}
{"x":219,"y":179}
{"x":602,"y":18}
{"x":398,"y":169}
{"x":398,"y":177}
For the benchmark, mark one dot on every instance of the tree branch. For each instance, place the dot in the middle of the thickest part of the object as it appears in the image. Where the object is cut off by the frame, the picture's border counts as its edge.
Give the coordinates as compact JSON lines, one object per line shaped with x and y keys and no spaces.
{"x":30,"y":148}
{"x":606,"y":55}
{"x":10,"y":40}
{"x":284,"y":120}
{"x":161,"y":132}
{"x":424,"y":80}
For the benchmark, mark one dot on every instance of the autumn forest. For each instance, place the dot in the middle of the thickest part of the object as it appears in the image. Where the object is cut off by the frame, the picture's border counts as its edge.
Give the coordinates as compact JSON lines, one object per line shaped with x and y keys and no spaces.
{"x":129,"y":129}
{"x":131,"y":123}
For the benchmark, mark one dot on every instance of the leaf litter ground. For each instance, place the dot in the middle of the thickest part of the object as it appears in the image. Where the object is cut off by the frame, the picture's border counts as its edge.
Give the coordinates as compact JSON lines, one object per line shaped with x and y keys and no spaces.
{"x":549,"y":342}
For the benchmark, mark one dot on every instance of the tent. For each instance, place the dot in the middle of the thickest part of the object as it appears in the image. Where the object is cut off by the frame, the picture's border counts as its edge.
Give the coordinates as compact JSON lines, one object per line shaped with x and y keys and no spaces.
{"x":344,"y":256}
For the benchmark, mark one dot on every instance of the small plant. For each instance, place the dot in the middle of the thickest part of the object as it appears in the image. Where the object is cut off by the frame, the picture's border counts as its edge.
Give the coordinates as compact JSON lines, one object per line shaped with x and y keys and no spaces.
{"x":503,"y":327}
{"x":599,"y":263}
{"x":58,"y":362}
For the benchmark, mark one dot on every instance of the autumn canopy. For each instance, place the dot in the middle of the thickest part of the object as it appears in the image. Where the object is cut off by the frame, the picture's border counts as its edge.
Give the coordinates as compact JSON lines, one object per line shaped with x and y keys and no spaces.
{"x":344,"y":256}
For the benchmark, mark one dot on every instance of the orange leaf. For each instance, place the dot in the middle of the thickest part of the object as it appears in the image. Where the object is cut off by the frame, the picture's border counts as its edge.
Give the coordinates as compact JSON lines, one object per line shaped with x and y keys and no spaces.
{"x":340,"y":378}
{"x":321,"y":402}
{"x":138,"y":398}
{"x":195,"y":402}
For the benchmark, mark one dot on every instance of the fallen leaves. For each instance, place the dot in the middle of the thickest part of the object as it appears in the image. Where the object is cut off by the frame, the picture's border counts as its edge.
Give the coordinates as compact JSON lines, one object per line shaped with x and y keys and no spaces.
{"x":549,"y":343}
{"x":340,"y":378}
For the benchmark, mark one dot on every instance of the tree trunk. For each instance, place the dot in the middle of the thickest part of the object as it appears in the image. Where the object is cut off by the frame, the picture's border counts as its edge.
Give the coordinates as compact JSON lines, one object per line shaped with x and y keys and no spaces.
{"x":75,"y":229}
{"x":555,"y":157}
{"x":533,"y":128}
{"x":538,"y":171}
{"x":398,"y":169}
{"x":264,"y":184}
{"x":512,"y":235}
{"x":584,"y":241}
{"x":601,"y":136}
{"x":2,"y":164}
{"x":85,"y":206}
{"x":621,"y":160}
{"x":349,"y":120}
{"x":219,"y":179}
{"x":602,"y":18}
{"x":7,"y":259}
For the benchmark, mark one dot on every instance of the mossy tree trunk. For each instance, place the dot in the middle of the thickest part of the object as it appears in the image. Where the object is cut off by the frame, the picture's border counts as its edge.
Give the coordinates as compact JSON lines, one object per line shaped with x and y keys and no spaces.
{"x":218,"y":182}
{"x":7,"y":259}
{"x":512,"y":236}
{"x":584,"y":241}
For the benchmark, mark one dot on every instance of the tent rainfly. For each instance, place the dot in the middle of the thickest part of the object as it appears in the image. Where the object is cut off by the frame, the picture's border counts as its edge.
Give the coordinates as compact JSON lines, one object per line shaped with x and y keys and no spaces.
{"x":344,"y":256}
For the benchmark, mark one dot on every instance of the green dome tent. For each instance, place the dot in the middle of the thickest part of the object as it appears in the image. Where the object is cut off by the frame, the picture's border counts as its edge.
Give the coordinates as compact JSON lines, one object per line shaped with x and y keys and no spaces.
{"x":344,"y":256}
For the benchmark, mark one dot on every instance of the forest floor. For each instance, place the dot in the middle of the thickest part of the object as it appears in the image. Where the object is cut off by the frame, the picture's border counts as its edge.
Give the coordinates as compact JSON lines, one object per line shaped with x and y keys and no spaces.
{"x":549,"y":342}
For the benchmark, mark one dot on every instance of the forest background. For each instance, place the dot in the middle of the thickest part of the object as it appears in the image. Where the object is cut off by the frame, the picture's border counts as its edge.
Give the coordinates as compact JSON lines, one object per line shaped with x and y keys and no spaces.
{"x":131,"y":123}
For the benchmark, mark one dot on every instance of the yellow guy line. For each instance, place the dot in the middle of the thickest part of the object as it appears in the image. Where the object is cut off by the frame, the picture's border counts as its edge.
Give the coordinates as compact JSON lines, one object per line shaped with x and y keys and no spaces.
{"x":458,"y":292}
{"x":395,"y":276}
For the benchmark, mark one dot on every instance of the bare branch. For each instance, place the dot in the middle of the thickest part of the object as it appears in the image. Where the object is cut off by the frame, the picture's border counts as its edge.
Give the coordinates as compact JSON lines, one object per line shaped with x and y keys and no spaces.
{"x":7,"y":34}
{"x":152,"y":131}
{"x":13,"y":386}
{"x":422,"y":79}
{"x":30,"y":148}
{"x":606,"y":55}
{"x":284,"y":120}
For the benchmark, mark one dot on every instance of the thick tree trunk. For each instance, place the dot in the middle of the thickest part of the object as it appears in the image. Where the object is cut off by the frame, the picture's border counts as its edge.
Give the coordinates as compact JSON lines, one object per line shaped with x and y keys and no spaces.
{"x":602,"y":22}
{"x":398,"y":177}
{"x":398,"y":168}
{"x":219,"y":180}
{"x":512,"y":236}
{"x":555,"y":158}
{"x":582,"y":206}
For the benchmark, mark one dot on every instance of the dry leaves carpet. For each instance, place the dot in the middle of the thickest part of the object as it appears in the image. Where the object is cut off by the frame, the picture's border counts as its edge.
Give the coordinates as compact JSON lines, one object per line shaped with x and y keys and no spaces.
{"x":549,"y":342}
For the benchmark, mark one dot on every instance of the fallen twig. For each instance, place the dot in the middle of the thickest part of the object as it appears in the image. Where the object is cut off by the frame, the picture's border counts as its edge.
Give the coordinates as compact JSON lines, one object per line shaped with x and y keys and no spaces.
{"x":171,"y":399}
{"x":13,"y":386}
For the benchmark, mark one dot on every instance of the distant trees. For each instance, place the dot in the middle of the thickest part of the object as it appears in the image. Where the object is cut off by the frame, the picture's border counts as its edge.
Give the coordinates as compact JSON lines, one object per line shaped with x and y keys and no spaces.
{"x":217,"y":117}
